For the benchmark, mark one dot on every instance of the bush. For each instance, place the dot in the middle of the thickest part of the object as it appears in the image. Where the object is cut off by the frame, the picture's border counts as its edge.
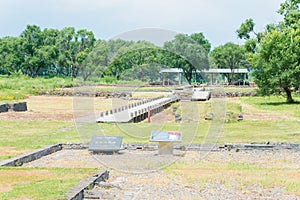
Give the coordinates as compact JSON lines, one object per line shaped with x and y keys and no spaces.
{"x":18,"y":87}
{"x":109,"y":80}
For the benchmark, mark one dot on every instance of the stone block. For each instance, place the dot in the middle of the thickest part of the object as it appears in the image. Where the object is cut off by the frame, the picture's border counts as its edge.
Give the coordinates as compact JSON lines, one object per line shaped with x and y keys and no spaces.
{"x":20,"y":107}
{"x":3,"y":108}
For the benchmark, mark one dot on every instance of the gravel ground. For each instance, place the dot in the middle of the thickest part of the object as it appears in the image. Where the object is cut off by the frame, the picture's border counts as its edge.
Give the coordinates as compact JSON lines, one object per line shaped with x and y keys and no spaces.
{"x":137,"y":174}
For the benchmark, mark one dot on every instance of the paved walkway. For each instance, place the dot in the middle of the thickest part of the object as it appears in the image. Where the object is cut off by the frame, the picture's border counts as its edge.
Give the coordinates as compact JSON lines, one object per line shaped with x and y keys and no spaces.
{"x":136,"y":112}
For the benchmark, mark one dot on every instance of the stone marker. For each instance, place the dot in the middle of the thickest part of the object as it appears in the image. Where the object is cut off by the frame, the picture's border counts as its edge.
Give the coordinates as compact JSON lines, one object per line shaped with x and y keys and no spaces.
{"x":106,"y":144}
{"x":240,"y":117}
{"x":210,"y":116}
{"x":177,"y":117}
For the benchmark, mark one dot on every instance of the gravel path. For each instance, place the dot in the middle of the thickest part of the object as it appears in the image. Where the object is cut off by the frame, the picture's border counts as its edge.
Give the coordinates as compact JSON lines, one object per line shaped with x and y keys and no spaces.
{"x":159,"y":185}
{"x":139,"y":174}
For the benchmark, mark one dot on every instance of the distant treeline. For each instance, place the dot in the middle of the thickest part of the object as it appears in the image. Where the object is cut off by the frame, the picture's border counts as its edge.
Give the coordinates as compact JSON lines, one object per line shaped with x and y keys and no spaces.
{"x":70,"y":52}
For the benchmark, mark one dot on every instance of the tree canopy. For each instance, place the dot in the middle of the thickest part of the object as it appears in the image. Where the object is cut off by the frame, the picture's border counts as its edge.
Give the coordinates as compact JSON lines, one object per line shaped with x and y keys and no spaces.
{"x":274,"y":54}
{"x":70,"y":52}
{"x":230,"y":56}
{"x":182,"y":52}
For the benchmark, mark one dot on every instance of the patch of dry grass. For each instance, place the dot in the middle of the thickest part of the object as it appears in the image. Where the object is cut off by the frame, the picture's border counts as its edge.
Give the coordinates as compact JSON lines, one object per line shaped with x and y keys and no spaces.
{"x":241,"y":169}
{"x":26,"y":183}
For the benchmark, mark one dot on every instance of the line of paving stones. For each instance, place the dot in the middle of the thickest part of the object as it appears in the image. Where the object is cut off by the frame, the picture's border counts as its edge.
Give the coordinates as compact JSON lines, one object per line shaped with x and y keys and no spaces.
{"x":36,"y":154}
{"x":31,"y":156}
{"x":77,"y":192}
{"x":215,"y":147}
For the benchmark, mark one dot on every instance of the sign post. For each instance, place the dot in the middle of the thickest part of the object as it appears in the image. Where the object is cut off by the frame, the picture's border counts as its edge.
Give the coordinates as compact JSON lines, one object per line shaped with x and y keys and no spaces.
{"x":149,"y":114}
{"x":165,"y":141}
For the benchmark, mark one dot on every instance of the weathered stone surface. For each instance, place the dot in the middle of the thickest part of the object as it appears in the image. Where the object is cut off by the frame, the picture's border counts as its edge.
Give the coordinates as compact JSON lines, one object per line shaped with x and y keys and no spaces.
{"x":20,"y":107}
{"x":28,"y":157}
{"x":3,"y":108}
{"x":107,"y":94}
{"x":77,"y":192}
{"x":17,"y":107}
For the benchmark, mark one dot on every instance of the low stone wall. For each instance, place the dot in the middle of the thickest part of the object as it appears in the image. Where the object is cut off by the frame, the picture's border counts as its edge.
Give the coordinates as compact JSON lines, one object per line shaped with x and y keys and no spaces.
{"x":77,"y":192}
{"x":234,"y":94}
{"x":107,"y":94}
{"x":187,"y":95}
{"x":16,"y":107}
{"x":215,"y":147}
{"x":31,"y":156}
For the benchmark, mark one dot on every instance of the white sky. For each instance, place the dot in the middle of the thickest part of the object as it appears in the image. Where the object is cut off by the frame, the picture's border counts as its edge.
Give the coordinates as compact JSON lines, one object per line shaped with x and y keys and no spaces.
{"x":217,"y":19}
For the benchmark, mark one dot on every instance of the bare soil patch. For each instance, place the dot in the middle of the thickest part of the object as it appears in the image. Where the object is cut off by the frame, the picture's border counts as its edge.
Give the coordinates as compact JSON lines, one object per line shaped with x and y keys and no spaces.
{"x":9,"y":177}
{"x":164,"y":116}
{"x":11,"y":151}
{"x":62,"y":108}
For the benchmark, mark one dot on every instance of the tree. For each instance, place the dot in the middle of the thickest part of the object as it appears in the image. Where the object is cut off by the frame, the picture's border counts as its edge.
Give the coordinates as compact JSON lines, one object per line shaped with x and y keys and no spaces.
{"x":188,"y":54}
{"x":31,"y":40}
{"x":48,"y":52}
{"x":200,"y":39}
{"x":276,"y":65}
{"x":245,"y":29}
{"x":74,"y":47}
{"x":230,"y":56}
{"x":10,"y":55}
{"x":131,"y":55}
{"x":274,"y":57}
{"x":96,"y":61}
{"x":291,"y":13}
{"x":38,"y":50}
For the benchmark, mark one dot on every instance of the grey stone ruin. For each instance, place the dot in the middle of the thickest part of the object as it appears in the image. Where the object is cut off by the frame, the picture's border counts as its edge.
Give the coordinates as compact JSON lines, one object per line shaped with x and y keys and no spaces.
{"x":20,"y":107}
{"x":16,"y":107}
{"x":3,"y":108}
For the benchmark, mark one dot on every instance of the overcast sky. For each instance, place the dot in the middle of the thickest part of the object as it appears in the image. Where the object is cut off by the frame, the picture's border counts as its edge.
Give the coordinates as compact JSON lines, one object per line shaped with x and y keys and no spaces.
{"x":217,"y":19}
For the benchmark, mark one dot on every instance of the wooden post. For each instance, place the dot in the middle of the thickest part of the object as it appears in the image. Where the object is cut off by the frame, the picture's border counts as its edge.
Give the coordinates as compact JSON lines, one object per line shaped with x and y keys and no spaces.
{"x":149,"y":114}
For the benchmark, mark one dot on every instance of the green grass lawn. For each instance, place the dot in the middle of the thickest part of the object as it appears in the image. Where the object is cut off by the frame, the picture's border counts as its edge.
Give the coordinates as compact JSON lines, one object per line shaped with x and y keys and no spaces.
{"x":16,"y":88}
{"x":261,"y":131}
{"x":39,"y":183}
{"x":239,"y":89}
{"x":18,"y":137}
{"x":276,"y":104}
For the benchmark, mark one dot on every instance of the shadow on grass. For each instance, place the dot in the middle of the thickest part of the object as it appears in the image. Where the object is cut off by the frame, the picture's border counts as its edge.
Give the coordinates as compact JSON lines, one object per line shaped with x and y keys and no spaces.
{"x":280,"y":103}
